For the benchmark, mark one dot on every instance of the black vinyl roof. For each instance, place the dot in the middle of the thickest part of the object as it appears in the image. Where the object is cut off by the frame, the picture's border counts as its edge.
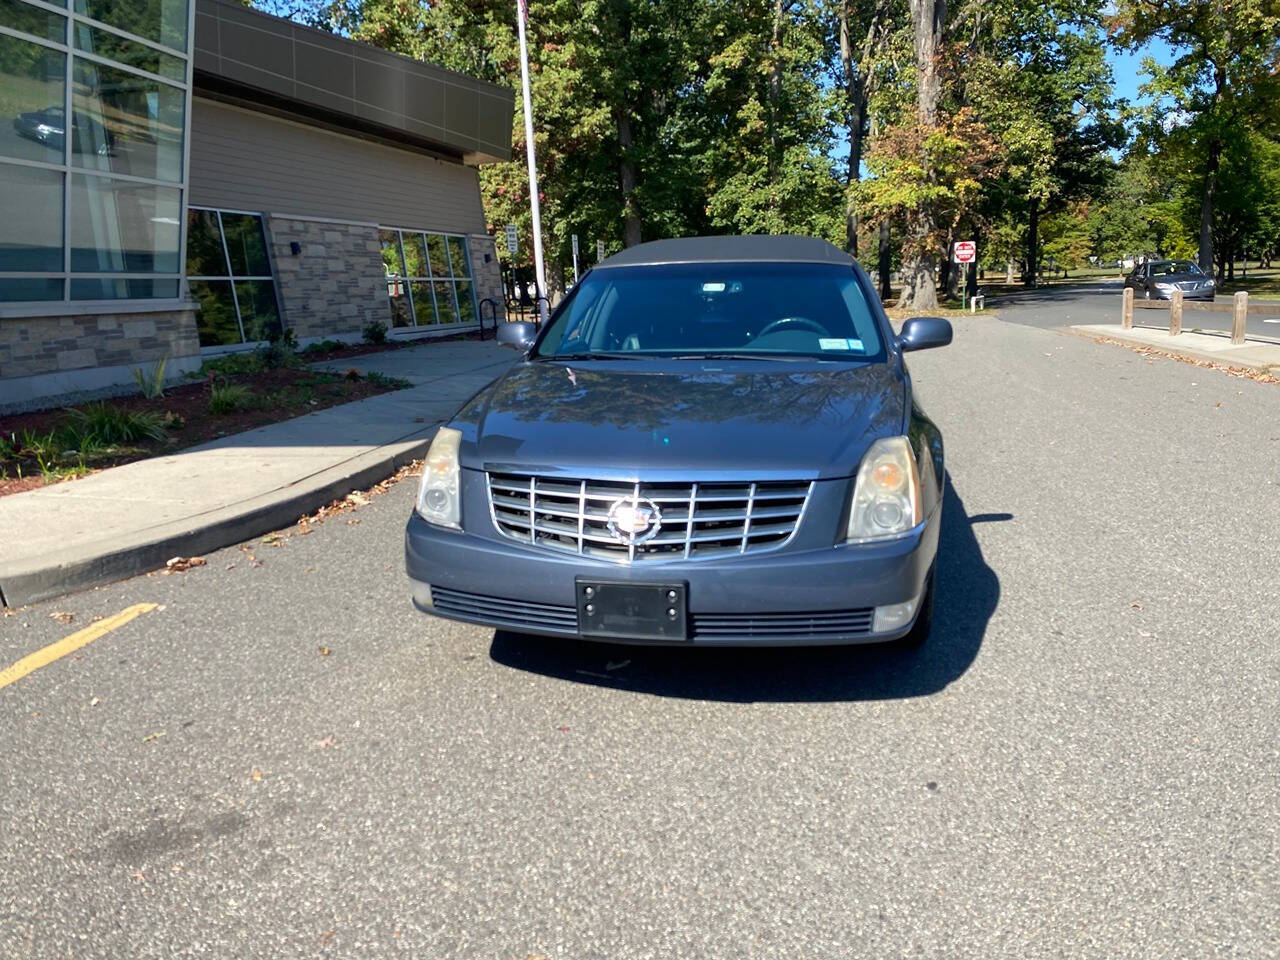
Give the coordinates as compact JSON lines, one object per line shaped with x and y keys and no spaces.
{"x":754,"y":249}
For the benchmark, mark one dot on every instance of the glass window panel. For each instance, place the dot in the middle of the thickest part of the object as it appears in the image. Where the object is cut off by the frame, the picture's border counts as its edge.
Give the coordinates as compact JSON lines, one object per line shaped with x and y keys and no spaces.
{"x":391,"y":259}
{"x":205,"y":257}
{"x":32,"y":80}
{"x":458,"y":257}
{"x":123,"y":288}
{"x":398,"y":292}
{"x":415,"y":255}
{"x":216,"y":320}
{"x":17,"y":289}
{"x":17,"y":15}
{"x":258,"y":314}
{"x":30,"y":219}
{"x":439,"y":255}
{"x":164,"y":21}
{"x":246,"y":245}
{"x":422,"y":309}
{"x":129,"y":52}
{"x":445,"y":307}
{"x":126,"y":124}
{"x":124,"y":227}
{"x":466,"y":305}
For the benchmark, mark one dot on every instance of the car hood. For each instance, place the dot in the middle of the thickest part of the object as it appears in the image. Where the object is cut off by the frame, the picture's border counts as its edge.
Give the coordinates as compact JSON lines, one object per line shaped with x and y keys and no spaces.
{"x":1181,"y":278}
{"x":630,"y":419}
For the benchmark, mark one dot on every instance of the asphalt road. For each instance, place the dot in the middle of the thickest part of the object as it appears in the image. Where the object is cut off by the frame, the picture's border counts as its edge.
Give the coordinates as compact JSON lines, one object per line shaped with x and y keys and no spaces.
{"x":286,"y":760}
{"x":1099,"y":301}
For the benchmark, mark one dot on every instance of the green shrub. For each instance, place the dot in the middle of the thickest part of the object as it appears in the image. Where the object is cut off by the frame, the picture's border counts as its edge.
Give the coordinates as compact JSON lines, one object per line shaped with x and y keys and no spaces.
{"x":233,"y":363}
{"x":152,"y":384}
{"x":103,"y":424}
{"x":375,"y":333}
{"x":278,"y":354}
{"x":230,"y":398}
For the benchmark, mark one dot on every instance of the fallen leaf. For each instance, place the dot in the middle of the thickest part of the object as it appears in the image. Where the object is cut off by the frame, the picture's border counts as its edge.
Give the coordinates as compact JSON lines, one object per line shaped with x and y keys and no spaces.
{"x":153,"y":736}
{"x":325,"y":937}
{"x":326,"y":742}
{"x":254,"y":561}
{"x":9,"y":613}
{"x":358,"y":498}
{"x":325,"y":651}
{"x":563,"y":729}
{"x":1136,"y":605}
{"x":179,"y":564}
{"x":256,"y":775}
{"x":231,"y":566}
{"x":62,"y":616}
{"x":95,"y":701}
{"x":272,"y":538}
{"x":139,"y":875}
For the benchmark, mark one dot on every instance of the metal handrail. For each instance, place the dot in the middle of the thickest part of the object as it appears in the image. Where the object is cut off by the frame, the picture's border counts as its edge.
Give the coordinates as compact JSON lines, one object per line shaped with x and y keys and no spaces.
{"x":493,"y":309}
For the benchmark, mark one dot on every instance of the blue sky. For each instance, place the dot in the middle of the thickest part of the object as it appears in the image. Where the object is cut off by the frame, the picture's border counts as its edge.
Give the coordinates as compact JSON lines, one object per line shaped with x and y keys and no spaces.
{"x":1127,"y":66}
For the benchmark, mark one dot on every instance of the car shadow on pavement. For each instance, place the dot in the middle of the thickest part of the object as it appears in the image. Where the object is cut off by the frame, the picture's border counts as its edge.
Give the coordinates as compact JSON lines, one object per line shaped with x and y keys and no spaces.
{"x":968,"y":591}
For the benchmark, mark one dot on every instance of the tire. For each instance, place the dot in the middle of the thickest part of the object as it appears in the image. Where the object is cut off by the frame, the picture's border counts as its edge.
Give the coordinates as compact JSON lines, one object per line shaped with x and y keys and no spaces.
{"x":921,"y":629}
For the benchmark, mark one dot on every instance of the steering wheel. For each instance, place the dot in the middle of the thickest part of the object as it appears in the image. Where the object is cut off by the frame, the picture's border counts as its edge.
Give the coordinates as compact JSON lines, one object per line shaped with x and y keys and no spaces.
{"x":802,"y":321}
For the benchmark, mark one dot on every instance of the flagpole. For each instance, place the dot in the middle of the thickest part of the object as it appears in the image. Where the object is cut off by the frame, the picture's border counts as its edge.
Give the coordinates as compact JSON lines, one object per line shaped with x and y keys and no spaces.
{"x":540,"y":272}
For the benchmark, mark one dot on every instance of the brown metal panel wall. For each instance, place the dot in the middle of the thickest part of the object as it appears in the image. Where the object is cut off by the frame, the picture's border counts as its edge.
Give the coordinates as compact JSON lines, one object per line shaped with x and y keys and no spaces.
{"x":243,"y":160}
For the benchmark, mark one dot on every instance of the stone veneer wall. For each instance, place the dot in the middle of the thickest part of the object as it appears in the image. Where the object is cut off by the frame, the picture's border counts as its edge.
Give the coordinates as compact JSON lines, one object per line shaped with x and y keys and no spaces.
{"x":487,"y":276}
{"x":335,"y":285}
{"x":31,"y":346}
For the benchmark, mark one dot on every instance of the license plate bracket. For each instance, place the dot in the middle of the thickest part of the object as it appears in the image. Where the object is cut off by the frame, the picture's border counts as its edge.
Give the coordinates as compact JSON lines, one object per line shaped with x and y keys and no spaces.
{"x":629,"y":610}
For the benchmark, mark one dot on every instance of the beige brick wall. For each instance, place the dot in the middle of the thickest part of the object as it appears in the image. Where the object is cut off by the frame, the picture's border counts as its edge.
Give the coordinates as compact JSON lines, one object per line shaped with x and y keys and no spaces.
{"x":487,"y":276}
{"x":335,"y":285}
{"x":30,"y":346}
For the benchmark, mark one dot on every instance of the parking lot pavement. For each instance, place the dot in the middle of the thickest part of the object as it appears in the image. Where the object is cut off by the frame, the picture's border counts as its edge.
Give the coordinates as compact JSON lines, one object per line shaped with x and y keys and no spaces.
{"x":282,"y":759}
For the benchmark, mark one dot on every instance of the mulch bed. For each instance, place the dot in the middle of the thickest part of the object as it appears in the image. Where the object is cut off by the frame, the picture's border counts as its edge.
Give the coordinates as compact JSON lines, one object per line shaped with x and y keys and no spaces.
{"x":297,"y":391}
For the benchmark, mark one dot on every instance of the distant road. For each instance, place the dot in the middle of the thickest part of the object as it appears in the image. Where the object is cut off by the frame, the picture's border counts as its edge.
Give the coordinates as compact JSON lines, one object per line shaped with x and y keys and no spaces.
{"x":1098,"y":301}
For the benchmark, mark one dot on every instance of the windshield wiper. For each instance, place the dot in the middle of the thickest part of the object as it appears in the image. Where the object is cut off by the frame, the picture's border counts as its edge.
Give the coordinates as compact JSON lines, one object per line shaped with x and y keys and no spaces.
{"x":757,"y":355}
{"x":586,"y":356}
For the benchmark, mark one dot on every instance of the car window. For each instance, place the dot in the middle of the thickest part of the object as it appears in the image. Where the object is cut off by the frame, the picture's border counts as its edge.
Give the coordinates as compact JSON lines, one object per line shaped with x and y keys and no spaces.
{"x":798,"y":309}
{"x":1169,"y":268}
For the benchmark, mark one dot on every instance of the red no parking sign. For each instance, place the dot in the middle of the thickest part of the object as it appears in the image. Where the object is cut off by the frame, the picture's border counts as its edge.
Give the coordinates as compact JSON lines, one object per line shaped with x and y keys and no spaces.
{"x":964,"y":251}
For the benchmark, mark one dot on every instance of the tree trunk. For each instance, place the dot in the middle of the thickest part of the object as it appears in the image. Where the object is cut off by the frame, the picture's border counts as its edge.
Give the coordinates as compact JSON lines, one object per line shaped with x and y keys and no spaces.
{"x":1033,"y":244}
{"x":775,"y":91}
{"x":627,"y":181}
{"x":555,"y":280}
{"x":883,"y":261}
{"x":1212,"y":162}
{"x":856,"y":90}
{"x":1009,"y":266}
{"x":919,"y":270}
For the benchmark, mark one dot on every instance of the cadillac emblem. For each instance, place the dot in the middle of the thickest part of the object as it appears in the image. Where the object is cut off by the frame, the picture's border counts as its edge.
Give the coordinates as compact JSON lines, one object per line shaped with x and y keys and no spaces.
{"x":633,"y":521}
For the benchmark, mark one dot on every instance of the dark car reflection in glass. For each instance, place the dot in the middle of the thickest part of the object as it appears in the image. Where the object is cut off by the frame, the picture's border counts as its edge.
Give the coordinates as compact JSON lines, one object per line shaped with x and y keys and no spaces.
{"x":712,"y":441}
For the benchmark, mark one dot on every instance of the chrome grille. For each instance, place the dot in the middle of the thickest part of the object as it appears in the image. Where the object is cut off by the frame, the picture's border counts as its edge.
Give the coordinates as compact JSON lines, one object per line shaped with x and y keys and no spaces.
{"x":699,"y":521}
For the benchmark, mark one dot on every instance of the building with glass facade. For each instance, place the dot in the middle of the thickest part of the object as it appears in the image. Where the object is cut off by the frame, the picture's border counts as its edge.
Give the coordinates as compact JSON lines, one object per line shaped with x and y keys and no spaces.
{"x":225,"y":174}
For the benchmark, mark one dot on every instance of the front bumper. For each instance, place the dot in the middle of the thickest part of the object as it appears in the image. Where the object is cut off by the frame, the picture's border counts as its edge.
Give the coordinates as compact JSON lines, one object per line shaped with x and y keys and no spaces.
{"x":788,"y":597}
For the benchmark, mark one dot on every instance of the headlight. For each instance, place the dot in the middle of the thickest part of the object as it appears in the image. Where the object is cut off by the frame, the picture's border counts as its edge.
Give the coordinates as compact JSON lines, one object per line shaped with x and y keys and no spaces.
{"x":439,"y":499}
{"x":886,"y":495}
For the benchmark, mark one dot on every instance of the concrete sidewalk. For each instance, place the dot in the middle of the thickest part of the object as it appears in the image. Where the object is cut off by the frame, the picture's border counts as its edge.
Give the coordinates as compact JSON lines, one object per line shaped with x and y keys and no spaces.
{"x":133,"y":518}
{"x":1259,"y":355}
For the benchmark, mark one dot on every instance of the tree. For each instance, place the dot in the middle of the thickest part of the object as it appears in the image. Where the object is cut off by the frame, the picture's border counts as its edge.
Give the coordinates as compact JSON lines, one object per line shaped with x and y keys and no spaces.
{"x":1226,"y":78}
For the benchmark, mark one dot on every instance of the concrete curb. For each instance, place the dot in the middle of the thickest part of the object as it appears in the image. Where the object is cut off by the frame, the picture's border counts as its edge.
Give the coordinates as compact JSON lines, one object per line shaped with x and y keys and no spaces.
{"x":54,"y":575}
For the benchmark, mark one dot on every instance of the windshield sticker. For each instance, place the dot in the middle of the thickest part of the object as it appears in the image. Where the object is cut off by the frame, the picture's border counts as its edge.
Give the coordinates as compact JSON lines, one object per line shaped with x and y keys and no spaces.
{"x":839,"y":343}
{"x":712,"y":287}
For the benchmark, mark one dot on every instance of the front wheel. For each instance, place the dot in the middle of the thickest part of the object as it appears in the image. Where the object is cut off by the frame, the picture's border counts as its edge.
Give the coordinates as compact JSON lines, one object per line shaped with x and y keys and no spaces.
{"x":921,"y":629}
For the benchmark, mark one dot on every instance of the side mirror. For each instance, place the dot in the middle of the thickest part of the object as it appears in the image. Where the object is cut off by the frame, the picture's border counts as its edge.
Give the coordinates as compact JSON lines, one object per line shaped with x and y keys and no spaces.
{"x":518,"y":335}
{"x":921,"y":333}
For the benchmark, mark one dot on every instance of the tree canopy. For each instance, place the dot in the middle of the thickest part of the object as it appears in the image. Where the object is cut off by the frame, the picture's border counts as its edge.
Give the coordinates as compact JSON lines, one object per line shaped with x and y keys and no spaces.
{"x":891,"y":127}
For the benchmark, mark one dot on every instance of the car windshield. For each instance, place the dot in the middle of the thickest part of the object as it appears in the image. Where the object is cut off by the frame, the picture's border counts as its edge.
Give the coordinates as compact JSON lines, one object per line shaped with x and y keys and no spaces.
{"x":1169,"y":268}
{"x":767,"y":310}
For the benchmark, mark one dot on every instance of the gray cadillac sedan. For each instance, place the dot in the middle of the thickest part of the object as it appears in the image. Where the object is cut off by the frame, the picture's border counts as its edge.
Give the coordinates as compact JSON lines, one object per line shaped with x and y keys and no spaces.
{"x":712,"y":441}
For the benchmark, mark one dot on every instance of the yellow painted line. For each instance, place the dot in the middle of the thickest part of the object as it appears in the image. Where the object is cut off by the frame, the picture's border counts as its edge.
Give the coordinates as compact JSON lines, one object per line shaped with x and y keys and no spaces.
{"x":81,"y":638}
